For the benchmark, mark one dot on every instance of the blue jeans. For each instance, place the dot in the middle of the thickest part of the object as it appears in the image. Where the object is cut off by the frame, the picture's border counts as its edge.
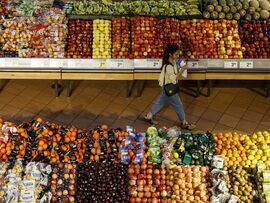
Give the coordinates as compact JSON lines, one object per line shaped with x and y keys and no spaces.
{"x":174,"y":101}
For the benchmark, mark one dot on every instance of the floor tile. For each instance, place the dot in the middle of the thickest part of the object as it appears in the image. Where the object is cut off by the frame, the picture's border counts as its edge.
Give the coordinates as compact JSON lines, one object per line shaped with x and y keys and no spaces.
{"x":259,"y":107}
{"x":195,"y":110}
{"x":19,"y":101}
{"x":6,"y":97}
{"x":14,"y":88}
{"x":169,"y":114}
{"x":212,"y":115}
{"x":235,"y":111}
{"x":246,"y":126}
{"x":130,"y":114}
{"x":265,"y":121}
{"x":228,"y":120}
{"x":222,"y":128}
{"x":253,"y":116}
{"x":205,"y":125}
{"x":24,"y":116}
{"x":7,"y":112}
{"x":218,"y":105}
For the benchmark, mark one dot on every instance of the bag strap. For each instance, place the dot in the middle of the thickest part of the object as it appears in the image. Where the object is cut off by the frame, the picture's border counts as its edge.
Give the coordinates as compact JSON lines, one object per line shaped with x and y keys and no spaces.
{"x":164,"y":74}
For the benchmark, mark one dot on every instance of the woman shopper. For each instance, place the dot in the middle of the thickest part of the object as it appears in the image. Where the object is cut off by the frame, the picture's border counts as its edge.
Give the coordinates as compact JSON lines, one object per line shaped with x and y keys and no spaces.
{"x":168,"y":80}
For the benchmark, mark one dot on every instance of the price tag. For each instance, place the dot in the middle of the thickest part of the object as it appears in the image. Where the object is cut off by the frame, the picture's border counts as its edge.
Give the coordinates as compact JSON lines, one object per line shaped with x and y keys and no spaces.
{"x":231,"y":64}
{"x":102,"y":63}
{"x":56,"y":63}
{"x":115,"y":63}
{"x":246,"y":64}
{"x":12,"y":62}
{"x":2,"y":62}
{"x":140,"y":63}
{"x":39,"y":63}
{"x":24,"y":63}
{"x":193,"y":64}
{"x":154,"y":63}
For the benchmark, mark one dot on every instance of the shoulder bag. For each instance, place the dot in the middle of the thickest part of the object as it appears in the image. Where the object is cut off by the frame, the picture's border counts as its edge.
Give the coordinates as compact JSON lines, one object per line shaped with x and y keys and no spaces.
{"x":170,"y":88}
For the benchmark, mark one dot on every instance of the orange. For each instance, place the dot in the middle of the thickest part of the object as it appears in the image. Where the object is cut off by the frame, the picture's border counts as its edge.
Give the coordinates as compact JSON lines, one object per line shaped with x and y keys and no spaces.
{"x":41,"y":142}
{"x":73,"y":133}
{"x":3,"y":150}
{"x":45,"y":146}
{"x":219,"y":142}
{"x":67,"y":139}
{"x":40,"y":148}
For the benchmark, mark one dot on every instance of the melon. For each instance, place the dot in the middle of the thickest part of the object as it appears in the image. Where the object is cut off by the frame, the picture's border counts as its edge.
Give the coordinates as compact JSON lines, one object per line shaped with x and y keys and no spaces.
{"x":254,"y":3}
{"x":206,"y":14}
{"x":248,"y":17}
{"x":256,"y":16}
{"x":264,"y":14}
{"x":226,"y":9}
{"x":265,"y":5}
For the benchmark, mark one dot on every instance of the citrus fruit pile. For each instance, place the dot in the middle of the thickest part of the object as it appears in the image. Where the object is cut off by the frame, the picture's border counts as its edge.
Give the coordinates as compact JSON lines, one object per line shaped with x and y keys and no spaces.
{"x":244,"y":150}
{"x":230,"y":146}
{"x":258,"y":149}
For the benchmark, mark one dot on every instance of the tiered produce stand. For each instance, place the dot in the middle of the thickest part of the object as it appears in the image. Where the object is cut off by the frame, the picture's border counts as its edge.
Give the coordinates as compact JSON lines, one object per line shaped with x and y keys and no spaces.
{"x":47,"y":162}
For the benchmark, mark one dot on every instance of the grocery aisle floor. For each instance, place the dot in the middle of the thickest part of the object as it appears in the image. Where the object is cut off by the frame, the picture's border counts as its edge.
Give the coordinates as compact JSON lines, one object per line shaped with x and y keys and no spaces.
{"x":97,"y":102}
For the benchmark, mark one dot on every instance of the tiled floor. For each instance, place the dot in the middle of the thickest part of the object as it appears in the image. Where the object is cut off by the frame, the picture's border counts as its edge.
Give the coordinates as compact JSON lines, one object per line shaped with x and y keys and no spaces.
{"x":96,"y":102}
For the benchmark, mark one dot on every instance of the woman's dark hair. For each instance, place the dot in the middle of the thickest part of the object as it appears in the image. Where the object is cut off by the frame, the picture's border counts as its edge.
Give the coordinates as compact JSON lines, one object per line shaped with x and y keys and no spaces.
{"x":169,"y":49}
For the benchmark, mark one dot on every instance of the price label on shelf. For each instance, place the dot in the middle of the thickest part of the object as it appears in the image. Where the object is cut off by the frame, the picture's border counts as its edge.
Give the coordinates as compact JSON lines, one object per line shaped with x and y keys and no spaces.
{"x":246,"y":64}
{"x":12,"y":62}
{"x":24,"y":62}
{"x":154,"y":63}
{"x":193,"y":64}
{"x":2,"y":62}
{"x":56,"y":63}
{"x":115,"y":63}
{"x":40,"y":63}
{"x":233,"y":64}
{"x":102,"y":63}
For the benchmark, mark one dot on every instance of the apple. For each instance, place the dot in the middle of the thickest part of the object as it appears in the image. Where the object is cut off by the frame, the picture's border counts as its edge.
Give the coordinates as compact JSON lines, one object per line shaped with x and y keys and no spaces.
{"x":227,"y":39}
{"x":79,"y":42}
{"x":102,"y":39}
{"x":144,"y":33}
{"x":121,"y":37}
{"x":254,"y":38}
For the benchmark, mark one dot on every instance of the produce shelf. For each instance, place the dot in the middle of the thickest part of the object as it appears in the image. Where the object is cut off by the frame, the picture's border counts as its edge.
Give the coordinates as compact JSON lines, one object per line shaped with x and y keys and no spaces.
{"x":109,"y":17}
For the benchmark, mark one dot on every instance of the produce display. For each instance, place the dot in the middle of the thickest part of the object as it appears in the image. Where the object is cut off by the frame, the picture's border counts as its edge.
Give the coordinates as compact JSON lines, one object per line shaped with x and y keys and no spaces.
{"x":255,"y":38}
{"x":80,"y":39}
{"x":42,"y":36}
{"x":166,"y":146}
{"x":198,"y":40}
{"x":102,"y":39}
{"x":153,"y":8}
{"x":227,"y":39}
{"x":188,"y":184}
{"x":102,"y":182}
{"x":121,"y":37}
{"x":241,"y":183}
{"x":230,"y":9}
{"x":146,"y":183}
{"x":244,"y":150}
{"x":24,"y":184}
{"x":63,"y":182}
{"x":263,"y":183}
{"x":144,"y":34}
{"x":118,"y":165}
{"x":169,"y":32}
{"x":230,"y":146}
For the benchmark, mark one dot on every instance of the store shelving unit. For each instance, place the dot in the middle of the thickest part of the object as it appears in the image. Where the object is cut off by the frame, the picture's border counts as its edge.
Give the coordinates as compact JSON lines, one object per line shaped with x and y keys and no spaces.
{"x":132,"y":70}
